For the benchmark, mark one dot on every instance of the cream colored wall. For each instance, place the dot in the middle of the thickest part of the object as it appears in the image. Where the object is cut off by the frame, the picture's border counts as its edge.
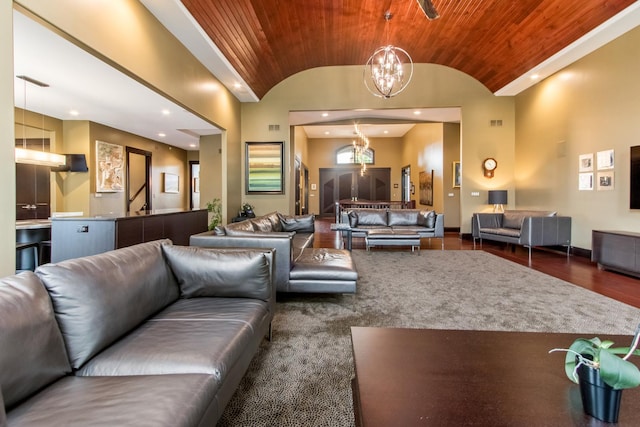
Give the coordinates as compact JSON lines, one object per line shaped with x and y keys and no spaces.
{"x":451,"y":194}
{"x":147,"y":52}
{"x":211,"y":149}
{"x":423,"y":150}
{"x":339,"y":88}
{"x":79,"y":188}
{"x":388,"y":154}
{"x":7,"y":162}
{"x":589,"y":106}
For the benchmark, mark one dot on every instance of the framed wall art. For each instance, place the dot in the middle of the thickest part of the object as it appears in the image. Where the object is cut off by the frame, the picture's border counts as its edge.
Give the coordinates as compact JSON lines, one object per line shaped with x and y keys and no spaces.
{"x":171,"y":182}
{"x":605,"y":159}
{"x":426,"y":188}
{"x":585,"y":162}
{"x":585,"y":181}
{"x":109,"y":168}
{"x":457,"y":175}
{"x":264,"y":172}
{"x":605,"y":181}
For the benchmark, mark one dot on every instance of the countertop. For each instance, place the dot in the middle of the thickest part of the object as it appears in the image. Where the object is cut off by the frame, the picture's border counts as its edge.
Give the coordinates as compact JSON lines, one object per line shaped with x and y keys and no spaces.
{"x":31,"y":224}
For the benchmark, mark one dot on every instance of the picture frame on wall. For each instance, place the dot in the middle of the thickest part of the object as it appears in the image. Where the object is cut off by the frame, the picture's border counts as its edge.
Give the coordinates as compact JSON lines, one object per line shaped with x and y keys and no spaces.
{"x":605,"y":159}
{"x":605,"y":181}
{"x":426,"y":188}
{"x":171,"y":183}
{"x":585,"y":162}
{"x":585,"y":181}
{"x":109,"y":168}
{"x":457,"y":175}
{"x":264,"y":168}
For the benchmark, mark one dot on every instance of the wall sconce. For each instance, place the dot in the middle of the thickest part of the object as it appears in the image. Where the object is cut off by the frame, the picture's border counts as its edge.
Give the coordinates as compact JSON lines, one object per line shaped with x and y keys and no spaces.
{"x":498,"y":198}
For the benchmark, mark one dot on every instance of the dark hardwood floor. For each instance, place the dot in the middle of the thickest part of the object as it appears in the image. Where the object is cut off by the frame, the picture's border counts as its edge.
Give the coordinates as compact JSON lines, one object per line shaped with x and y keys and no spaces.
{"x":574,"y":269}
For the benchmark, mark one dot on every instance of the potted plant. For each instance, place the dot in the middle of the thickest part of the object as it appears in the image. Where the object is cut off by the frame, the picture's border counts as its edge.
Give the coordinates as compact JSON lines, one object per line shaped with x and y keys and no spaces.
{"x":215,"y":207}
{"x":247,"y":210}
{"x":602,"y":375}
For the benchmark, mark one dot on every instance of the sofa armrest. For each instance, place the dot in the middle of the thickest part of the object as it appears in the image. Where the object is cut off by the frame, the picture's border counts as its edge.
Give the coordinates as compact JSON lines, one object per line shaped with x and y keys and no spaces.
{"x":439,"y":227}
{"x":485,"y":220}
{"x":546,"y":231}
{"x":282,"y":242}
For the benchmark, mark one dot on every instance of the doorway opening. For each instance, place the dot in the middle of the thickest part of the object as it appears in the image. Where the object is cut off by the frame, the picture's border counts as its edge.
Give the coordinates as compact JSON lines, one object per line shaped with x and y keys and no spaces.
{"x":138,"y":182}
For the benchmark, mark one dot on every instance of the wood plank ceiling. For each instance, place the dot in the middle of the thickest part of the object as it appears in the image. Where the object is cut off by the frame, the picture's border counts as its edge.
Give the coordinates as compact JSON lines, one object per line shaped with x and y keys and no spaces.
{"x":494,"y":41}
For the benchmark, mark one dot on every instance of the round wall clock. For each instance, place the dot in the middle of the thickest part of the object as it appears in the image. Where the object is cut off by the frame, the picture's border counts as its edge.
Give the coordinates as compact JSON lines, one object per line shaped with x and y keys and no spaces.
{"x":489,"y":165}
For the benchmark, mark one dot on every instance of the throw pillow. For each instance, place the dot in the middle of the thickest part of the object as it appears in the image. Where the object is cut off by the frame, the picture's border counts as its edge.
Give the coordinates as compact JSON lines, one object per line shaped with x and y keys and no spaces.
{"x":512,"y":220}
{"x":372,"y":217}
{"x":353,"y":219}
{"x":205,"y":272}
{"x":241,"y":227}
{"x":261,"y":224}
{"x":301,"y":223}
{"x":403,"y":217}
{"x":427,"y":219}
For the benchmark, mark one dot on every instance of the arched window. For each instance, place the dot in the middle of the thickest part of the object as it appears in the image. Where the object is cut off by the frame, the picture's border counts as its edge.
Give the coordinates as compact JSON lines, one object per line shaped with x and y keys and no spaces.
{"x":348,"y":155}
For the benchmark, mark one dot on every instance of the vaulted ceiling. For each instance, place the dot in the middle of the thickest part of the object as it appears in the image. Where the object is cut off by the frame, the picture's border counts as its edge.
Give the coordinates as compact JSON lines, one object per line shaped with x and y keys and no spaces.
{"x":495,"y":41}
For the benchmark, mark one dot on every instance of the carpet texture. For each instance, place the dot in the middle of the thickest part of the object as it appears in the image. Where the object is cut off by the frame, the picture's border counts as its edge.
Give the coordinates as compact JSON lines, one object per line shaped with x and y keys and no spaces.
{"x":302,"y":378}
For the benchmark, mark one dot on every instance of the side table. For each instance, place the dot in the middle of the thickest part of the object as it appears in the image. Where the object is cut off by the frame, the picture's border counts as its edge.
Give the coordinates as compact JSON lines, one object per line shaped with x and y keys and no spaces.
{"x":344,"y":229}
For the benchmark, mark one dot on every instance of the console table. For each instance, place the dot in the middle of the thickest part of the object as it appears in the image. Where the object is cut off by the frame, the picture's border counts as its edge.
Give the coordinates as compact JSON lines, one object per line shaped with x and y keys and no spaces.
{"x":616,"y":250}
{"x":421,"y":377}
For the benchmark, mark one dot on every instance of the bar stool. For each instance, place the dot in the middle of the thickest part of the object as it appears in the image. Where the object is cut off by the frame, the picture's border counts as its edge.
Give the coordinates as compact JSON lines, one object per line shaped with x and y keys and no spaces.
{"x":44,"y":244}
{"x":21,"y":246}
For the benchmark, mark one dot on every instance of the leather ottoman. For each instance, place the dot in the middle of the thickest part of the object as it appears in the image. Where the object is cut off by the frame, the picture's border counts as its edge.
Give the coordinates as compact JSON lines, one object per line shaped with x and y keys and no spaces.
{"x":324,"y":270}
{"x":385,"y":237}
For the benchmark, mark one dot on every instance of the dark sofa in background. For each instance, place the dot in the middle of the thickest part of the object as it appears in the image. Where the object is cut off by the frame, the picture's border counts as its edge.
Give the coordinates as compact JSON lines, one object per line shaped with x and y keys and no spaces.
{"x":299,"y":267}
{"x":152,"y":334}
{"x":528,"y":228}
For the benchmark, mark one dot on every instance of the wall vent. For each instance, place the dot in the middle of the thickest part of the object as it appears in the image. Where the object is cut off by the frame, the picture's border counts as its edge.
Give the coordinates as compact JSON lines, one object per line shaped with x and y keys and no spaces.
{"x":496,"y":123}
{"x":274,"y":128}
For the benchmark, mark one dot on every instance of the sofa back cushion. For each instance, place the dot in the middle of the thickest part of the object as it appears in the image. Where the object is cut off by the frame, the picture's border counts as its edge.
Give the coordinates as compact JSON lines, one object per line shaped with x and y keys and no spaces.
{"x":370,"y":216}
{"x":403,"y":217}
{"x":276,"y":225}
{"x":298,"y":223}
{"x":205,"y":272}
{"x":515,"y":218}
{"x":32,"y":352}
{"x":262,"y":224}
{"x":97,"y":299}
{"x":240,"y":228}
{"x":427,"y":219}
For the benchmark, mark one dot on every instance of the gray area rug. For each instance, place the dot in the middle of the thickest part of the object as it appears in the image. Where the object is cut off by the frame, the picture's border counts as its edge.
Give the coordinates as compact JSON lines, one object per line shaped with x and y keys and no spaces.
{"x":302,"y":378}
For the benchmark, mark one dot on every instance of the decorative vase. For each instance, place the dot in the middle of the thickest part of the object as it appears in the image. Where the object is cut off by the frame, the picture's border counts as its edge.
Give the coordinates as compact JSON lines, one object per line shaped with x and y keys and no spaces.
{"x":599,"y":399}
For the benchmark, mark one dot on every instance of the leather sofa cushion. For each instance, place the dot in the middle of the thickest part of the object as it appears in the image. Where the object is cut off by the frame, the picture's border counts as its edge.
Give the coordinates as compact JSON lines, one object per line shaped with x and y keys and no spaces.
{"x":370,"y":217}
{"x":403,"y":217}
{"x":32,"y":352}
{"x":512,"y":220}
{"x":262,"y":224}
{"x":325,"y":264}
{"x":276,"y":225}
{"x":427,"y":219}
{"x":298,"y":223}
{"x":203,"y":272}
{"x":240,"y":228}
{"x":196,"y":335}
{"x":97,"y":299}
{"x":153,"y":400}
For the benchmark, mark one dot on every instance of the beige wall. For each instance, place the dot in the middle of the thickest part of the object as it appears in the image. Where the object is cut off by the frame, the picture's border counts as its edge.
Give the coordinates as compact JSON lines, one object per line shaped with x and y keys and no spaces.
{"x":338,"y":88}
{"x":322,"y":154}
{"x":588,"y":107}
{"x":144,"y":50}
{"x":7,"y":163}
{"x":450,"y":193}
{"x":423,"y":151}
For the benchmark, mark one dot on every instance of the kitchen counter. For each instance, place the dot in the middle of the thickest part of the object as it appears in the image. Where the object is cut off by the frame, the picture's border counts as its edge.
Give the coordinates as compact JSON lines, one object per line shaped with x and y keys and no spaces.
{"x":33,"y":224}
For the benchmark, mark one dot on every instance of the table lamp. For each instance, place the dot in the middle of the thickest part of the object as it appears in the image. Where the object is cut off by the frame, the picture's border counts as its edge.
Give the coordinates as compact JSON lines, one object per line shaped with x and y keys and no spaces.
{"x":498,"y":198}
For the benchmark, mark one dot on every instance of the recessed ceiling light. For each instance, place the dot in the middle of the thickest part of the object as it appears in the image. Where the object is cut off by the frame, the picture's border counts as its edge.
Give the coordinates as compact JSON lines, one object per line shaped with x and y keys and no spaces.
{"x":166,"y":112}
{"x":192,"y":145}
{"x":74,"y":113}
{"x":535,"y":76}
{"x":325,"y":114}
{"x":327,"y":132}
{"x":162,"y":135}
{"x":417,"y":112}
{"x":386,"y":131}
{"x":237,"y":85}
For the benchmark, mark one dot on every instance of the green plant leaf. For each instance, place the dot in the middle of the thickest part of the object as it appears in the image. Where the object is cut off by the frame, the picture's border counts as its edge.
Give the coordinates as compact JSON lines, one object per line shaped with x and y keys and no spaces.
{"x":618,"y":373}
{"x":584,"y":347}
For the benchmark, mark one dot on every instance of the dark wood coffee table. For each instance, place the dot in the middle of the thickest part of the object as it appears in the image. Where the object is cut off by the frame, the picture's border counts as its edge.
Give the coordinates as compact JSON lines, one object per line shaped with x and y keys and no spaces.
{"x":411,"y":377}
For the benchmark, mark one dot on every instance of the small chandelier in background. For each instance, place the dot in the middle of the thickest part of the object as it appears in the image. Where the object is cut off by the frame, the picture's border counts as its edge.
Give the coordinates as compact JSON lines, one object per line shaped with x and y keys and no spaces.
{"x":360,"y":146}
{"x":384,"y":73}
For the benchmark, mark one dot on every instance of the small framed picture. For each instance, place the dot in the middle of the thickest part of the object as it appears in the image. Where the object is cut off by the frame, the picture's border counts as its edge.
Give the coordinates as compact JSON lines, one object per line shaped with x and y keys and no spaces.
{"x":457,"y":175}
{"x":171,"y":182}
{"x":585,"y":181}
{"x":585,"y":162}
{"x":605,"y":159}
{"x":605,"y":181}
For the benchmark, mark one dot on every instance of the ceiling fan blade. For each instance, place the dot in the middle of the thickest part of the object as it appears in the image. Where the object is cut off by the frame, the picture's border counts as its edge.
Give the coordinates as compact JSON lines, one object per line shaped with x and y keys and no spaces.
{"x":428,"y":9}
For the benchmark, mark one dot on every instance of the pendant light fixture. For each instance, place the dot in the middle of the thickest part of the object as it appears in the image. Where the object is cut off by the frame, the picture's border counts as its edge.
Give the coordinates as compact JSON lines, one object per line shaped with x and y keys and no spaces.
{"x":35,"y":157}
{"x":389,"y":69}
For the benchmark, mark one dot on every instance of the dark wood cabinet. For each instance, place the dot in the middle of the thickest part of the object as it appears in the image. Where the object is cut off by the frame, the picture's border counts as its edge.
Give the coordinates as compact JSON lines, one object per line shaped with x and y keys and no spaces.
{"x":77,"y":237}
{"x":617,"y":251}
{"x":32,"y":191}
